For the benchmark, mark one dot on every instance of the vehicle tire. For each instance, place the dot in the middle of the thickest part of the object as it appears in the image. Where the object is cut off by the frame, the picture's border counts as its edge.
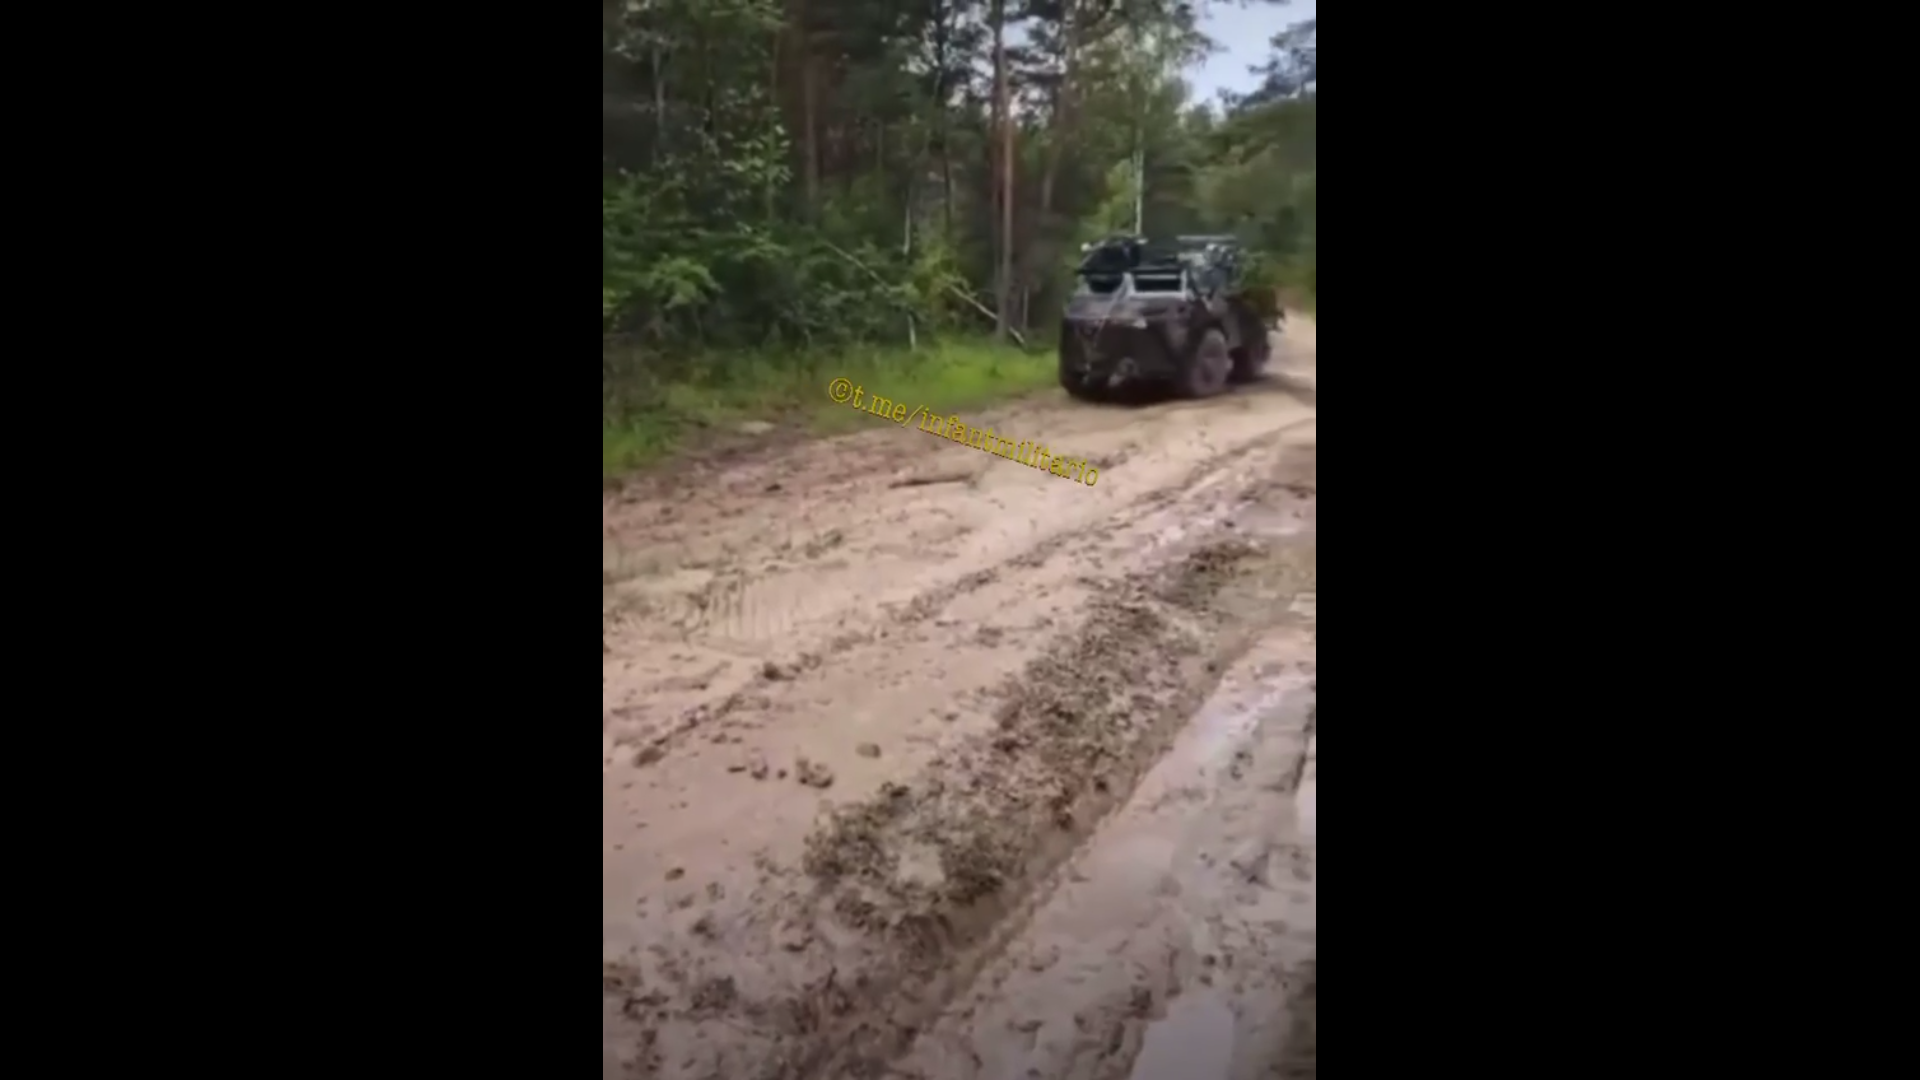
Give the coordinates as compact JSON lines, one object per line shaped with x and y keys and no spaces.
{"x":1080,"y":389}
{"x":1207,"y":367}
{"x":1250,"y":359}
{"x":1071,"y":380}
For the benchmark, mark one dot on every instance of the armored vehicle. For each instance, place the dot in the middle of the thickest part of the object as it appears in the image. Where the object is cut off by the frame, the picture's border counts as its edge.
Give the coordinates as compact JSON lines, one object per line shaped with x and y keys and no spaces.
{"x":1175,"y":313}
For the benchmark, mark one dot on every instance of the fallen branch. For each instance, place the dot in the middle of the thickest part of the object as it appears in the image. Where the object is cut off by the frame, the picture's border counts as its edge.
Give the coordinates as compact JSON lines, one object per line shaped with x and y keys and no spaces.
{"x":936,"y":478}
{"x":982,"y":309}
{"x":951,"y":287}
{"x":913,"y":341}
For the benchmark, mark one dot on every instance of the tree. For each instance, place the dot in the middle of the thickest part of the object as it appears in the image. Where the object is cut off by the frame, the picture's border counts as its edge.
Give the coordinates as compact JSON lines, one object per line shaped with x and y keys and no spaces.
{"x":1003,"y":125}
{"x":823,"y":172}
{"x":1293,"y":70}
{"x":1262,"y":180}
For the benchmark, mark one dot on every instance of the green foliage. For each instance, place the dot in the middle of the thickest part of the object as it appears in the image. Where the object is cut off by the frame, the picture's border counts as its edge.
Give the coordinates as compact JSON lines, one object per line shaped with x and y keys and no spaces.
{"x":712,"y":399}
{"x":792,"y":179}
{"x":1262,"y":184}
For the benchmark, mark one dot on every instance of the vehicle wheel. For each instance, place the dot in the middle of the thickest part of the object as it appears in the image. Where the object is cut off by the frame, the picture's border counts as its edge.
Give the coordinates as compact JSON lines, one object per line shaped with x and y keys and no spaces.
{"x":1075,"y":385}
{"x":1082,"y":390}
{"x":1250,"y":359}
{"x":1072,"y":355}
{"x":1207,"y":367}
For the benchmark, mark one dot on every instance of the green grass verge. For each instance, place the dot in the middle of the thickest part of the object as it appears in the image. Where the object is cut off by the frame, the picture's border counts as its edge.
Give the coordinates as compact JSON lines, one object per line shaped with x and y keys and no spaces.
{"x":725,"y":390}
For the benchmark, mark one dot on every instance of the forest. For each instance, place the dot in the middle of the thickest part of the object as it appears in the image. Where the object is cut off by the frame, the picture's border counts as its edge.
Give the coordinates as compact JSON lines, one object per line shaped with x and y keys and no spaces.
{"x":793,"y":186}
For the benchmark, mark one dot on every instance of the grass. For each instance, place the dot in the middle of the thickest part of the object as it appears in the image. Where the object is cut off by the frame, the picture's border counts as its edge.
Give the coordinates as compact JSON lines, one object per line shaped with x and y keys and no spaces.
{"x":723,"y":391}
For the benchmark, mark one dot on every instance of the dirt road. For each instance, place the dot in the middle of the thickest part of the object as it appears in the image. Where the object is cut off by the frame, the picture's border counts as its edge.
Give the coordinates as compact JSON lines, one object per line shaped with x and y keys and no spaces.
{"x":919,"y":762}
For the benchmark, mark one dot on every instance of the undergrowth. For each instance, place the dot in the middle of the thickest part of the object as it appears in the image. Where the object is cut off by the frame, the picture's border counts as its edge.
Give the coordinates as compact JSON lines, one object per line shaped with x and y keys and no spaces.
{"x":649,"y":413}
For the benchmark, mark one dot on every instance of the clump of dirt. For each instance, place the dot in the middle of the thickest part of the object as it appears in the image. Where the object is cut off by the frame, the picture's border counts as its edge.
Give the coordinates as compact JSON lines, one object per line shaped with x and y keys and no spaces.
{"x":823,"y":544}
{"x":852,"y":844}
{"x":618,"y":978}
{"x":812,"y":773}
{"x":976,"y":863}
{"x":929,"y":603}
{"x":715,"y":995}
{"x":1200,"y":574}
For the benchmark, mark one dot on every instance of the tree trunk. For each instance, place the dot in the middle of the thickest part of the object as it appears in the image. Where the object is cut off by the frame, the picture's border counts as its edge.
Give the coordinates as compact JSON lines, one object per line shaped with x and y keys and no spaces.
{"x":799,"y":33}
{"x":659,"y":106}
{"x":809,"y":96}
{"x":1003,"y":116}
{"x":773,"y":95}
{"x":1063,"y":109}
{"x":943,"y":34}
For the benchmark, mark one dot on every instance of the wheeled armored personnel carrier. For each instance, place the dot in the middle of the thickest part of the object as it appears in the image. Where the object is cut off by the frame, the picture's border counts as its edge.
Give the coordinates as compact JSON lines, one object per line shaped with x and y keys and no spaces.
{"x":1176,"y":313}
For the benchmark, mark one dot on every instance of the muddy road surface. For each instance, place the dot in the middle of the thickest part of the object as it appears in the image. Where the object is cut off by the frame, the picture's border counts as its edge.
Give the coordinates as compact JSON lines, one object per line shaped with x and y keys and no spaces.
{"x":920,"y":762}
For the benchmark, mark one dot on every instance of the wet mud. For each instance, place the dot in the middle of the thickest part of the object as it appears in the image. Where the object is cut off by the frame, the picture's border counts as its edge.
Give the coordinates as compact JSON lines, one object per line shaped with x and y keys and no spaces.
{"x":970,"y":778}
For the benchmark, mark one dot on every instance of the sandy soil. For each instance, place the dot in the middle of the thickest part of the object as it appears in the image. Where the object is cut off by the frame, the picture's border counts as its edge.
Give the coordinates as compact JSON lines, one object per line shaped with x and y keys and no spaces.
{"x":919,"y":762}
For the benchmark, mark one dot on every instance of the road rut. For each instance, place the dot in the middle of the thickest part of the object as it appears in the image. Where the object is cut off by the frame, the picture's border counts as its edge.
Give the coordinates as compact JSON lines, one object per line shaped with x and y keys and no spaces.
{"x":874,"y":704}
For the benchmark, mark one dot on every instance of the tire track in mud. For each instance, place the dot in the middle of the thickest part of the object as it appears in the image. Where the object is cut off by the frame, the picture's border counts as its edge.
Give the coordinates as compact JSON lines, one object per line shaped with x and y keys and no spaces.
{"x":1184,"y":891}
{"x":1002,"y":517}
{"x":932,"y":876}
{"x":817,"y":951}
{"x":738,"y":608}
{"x":1142,"y":530}
{"x":930,"y":872}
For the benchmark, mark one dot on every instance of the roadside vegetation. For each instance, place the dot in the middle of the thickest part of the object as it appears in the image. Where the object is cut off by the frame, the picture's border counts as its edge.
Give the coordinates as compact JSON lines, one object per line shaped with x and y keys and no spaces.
{"x":732,"y":396}
{"x":894,"y":191}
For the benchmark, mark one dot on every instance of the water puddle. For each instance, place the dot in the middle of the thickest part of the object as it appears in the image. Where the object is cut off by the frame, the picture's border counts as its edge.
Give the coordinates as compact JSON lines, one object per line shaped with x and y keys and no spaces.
{"x":1165,"y":950}
{"x":1194,"y":1041}
{"x":1226,"y":721}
